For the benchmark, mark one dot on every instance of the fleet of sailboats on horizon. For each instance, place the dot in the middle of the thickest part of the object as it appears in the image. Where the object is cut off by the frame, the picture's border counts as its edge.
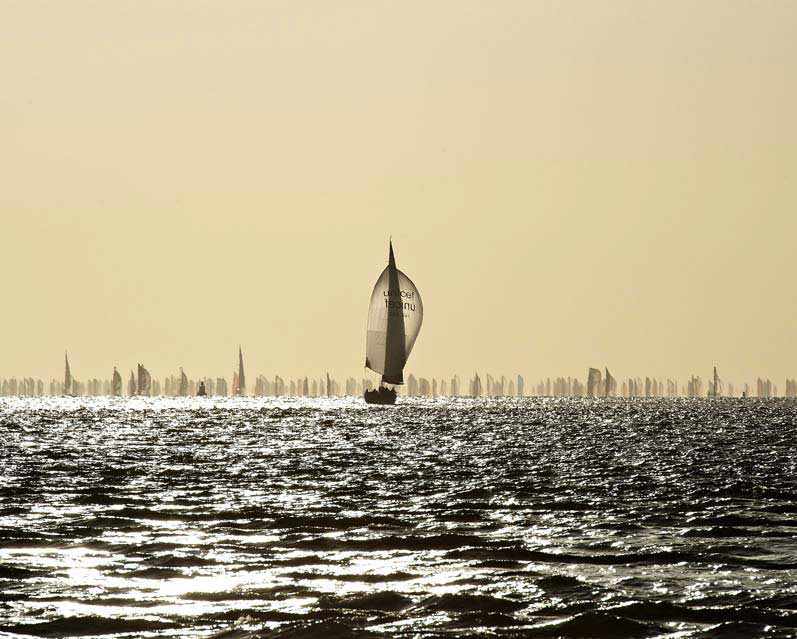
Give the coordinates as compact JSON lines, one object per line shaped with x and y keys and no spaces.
{"x":597,"y":385}
{"x":395,"y":316}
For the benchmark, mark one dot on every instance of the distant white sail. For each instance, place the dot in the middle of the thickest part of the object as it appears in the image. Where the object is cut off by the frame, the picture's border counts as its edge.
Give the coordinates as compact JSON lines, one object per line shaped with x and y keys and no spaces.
{"x":395,"y":316}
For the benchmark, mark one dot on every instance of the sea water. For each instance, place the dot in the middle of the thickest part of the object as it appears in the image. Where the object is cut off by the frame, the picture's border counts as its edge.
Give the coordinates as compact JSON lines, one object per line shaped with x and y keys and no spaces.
{"x":236,"y":518}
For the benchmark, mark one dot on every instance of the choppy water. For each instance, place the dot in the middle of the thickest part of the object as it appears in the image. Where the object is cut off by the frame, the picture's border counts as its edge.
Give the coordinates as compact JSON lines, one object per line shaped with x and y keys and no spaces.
{"x":327,"y":518}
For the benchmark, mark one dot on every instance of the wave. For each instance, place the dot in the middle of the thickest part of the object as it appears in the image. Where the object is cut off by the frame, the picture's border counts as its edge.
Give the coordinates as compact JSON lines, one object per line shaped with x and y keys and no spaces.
{"x":385,"y":601}
{"x":665,"y":611}
{"x":91,"y":625}
{"x":15,"y":572}
{"x":452,"y":602}
{"x":369,"y":578}
{"x":596,"y":625}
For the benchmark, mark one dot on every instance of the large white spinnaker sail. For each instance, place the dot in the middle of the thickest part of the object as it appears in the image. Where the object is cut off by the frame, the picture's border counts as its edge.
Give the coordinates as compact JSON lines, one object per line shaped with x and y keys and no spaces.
{"x":394,"y":321}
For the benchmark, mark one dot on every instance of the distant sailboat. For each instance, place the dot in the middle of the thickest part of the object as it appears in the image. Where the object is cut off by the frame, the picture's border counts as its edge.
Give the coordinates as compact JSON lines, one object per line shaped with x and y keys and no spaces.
{"x":116,"y":383}
{"x":144,"y":381}
{"x":716,"y":385}
{"x":395,"y":316}
{"x":68,"y":381}
{"x":609,"y":384}
{"x":477,"y":386}
{"x":241,"y":389}
{"x":183,"y":391}
{"x":593,"y":382}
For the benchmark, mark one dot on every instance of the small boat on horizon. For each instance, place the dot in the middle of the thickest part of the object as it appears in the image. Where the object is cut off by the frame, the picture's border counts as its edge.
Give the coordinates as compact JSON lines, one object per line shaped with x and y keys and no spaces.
{"x":395,"y":316}
{"x":116,"y":383}
{"x":69,"y":381}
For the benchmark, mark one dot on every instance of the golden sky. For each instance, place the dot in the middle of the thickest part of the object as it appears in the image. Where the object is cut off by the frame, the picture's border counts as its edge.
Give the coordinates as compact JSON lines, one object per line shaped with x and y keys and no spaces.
{"x":568,"y":183}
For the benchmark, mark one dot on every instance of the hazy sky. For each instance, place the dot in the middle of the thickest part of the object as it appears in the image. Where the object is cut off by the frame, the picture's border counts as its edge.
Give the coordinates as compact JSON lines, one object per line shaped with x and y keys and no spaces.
{"x":568,"y":183}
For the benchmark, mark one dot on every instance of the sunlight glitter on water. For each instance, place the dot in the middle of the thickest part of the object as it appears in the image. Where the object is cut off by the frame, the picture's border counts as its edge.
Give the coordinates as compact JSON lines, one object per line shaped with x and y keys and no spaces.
{"x":181,"y":517}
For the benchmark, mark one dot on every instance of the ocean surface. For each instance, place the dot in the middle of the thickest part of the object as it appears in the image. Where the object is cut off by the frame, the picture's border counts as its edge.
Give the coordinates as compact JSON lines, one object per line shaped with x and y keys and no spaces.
{"x":246,"y":518}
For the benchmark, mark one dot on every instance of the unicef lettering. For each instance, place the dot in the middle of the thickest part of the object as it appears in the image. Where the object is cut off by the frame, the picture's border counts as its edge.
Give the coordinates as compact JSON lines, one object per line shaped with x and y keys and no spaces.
{"x":399,"y":300}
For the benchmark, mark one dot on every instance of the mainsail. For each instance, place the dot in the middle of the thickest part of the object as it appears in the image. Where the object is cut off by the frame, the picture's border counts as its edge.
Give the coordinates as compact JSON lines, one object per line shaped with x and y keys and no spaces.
{"x":477,"y":386}
{"x":609,"y":384}
{"x":241,"y":377}
{"x":116,"y":383}
{"x":67,"y":376}
{"x":144,"y":381}
{"x":715,"y":388}
{"x":395,"y":316}
{"x":183,"y":384}
{"x":593,"y":382}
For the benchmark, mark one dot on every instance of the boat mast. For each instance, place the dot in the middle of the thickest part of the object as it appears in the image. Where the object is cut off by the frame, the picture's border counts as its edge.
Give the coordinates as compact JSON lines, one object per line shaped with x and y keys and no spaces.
{"x":395,"y":353}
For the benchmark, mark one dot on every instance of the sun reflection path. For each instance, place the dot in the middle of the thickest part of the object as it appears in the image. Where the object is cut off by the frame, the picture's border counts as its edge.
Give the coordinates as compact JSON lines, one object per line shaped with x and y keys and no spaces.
{"x":185,"y":517}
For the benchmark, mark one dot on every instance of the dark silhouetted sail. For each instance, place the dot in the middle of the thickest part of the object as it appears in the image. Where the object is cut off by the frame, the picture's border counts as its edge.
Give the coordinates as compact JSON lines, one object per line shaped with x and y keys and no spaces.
{"x":183,"y":391}
{"x":144,"y":381}
{"x":67,"y":376}
{"x":715,"y":389}
{"x":477,"y":386}
{"x":395,"y":316}
{"x":593,"y":382}
{"x":116,"y":383}
{"x":609,"y":384}
{"x":241,"y":377}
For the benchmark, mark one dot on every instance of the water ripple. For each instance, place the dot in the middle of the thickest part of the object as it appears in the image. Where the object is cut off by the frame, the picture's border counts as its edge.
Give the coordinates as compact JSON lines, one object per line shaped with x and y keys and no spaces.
{"x":245,"y":518}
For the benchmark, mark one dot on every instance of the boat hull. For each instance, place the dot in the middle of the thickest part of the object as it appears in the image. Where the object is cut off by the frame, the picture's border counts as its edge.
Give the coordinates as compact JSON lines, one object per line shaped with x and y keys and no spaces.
{"x":384,"y":396}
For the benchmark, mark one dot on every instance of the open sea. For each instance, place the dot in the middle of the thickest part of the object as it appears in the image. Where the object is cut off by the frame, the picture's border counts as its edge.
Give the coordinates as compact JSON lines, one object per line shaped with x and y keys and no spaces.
{"x":323,"y":518}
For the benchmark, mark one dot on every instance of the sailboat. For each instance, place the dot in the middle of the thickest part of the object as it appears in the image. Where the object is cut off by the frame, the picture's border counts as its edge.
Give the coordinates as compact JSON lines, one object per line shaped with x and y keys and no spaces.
{"x":593,"y":382}
{"x":715,"y":389}
{"x":241,"y":387}
{"x":609,"y":384}
{"x":68,"y":381}
{"x":144,"y":381}
{"x":395,"y":316}
{"x":183,"y":391}
{"x":476,"y":389}
{"x":116,"y":383}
